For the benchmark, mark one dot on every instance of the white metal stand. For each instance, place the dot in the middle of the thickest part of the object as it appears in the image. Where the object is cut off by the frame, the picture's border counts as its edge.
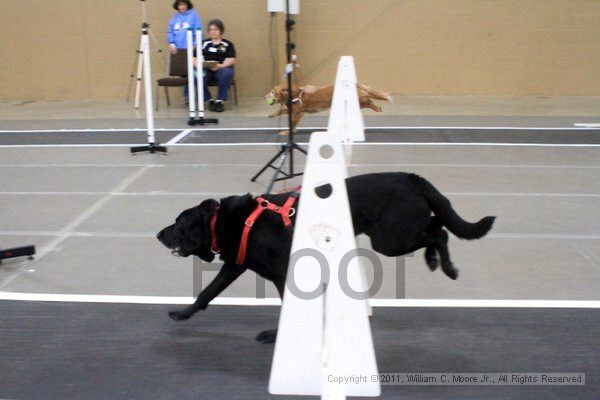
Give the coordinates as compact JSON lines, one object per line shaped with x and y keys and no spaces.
{"x":153,"y":146}
{"x":196,"y":113}
{"x":140,"y":58}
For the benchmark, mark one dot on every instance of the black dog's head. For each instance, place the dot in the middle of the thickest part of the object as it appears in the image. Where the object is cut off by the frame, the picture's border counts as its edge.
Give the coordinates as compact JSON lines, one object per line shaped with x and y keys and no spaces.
{"x":190,"y":234}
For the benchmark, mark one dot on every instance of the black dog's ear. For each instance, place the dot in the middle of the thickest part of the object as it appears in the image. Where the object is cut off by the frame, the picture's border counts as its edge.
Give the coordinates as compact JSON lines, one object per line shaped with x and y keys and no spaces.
{"x":200,"y":230}
{"x":211,"y":205}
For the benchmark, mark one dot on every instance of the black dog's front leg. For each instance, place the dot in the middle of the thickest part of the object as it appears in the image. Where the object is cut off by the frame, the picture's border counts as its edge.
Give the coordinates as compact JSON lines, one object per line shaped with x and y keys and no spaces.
{"x":270,"y":335}
{"x":224,"y":278}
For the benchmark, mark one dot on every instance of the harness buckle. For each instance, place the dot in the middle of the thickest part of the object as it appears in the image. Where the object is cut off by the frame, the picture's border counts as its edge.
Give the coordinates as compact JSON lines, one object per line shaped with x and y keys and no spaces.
{"x":249,"y":223}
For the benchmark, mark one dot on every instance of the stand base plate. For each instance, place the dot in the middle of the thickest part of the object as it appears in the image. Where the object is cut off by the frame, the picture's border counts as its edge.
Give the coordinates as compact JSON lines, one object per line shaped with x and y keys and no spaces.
{"x":27,"y":251}
{"x":150,"y":148}
{"x":202,"y":121}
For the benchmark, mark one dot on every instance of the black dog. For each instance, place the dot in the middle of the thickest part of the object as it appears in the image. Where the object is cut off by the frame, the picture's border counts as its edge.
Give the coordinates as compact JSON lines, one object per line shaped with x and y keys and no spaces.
{"x":394,"y":209}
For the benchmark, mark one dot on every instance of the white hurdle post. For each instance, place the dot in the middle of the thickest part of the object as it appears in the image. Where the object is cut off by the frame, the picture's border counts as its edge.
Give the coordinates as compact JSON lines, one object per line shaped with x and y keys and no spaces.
{"x":196,"y":85}
{"x":138,"y":82}
{"x":200,"y":73}
{"x":345,"y":118}
{"x":148,"y":98}
{"x":190,"y":66}
{"x":329,"y":334}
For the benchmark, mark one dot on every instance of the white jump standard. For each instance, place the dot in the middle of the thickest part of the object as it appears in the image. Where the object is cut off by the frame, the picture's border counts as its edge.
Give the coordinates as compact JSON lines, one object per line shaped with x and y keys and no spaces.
{"x":152,"y":146}
{"x":196,"y":113}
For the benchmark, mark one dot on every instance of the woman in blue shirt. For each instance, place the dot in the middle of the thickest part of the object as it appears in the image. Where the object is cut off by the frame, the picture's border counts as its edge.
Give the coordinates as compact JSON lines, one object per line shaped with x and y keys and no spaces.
{"x":184,"y":18}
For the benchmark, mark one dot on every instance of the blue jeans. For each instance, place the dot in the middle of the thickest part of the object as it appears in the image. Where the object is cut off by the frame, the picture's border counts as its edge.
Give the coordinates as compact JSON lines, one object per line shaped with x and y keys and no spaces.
{"x":223,"y":78}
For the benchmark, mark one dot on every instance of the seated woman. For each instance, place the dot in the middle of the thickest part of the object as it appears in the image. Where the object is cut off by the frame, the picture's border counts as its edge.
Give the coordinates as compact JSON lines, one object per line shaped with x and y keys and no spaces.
{"x":222,"y":52}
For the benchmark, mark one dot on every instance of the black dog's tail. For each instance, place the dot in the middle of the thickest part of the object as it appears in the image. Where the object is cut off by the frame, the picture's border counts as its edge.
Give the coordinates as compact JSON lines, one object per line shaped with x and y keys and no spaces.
{"x":442,"y":207}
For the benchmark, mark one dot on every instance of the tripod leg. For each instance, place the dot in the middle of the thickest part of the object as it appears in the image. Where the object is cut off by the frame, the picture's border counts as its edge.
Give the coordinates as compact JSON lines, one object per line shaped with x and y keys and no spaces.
{"x":279,"y":167}
{"x":268,"y":165}
{"x":131,"y":76}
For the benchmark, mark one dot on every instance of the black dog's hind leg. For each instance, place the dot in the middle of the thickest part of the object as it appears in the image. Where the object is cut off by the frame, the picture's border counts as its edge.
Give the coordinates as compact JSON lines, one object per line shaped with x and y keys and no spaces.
{"x":224,"y":278}
{"x":270,"y":335}
{"x":431,"y":257}
{"x":439,"y":240}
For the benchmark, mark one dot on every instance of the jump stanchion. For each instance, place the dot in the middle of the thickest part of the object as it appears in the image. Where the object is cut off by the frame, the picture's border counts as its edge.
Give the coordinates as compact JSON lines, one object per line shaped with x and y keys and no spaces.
{"x":324,"y":331}
{"x":197,"y":113}
{"x":346,"y":119}
{"x":152,"y":146}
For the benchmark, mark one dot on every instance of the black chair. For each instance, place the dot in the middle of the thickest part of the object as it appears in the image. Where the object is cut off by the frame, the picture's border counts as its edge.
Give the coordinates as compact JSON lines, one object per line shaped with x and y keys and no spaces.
{"x":177,"y":75}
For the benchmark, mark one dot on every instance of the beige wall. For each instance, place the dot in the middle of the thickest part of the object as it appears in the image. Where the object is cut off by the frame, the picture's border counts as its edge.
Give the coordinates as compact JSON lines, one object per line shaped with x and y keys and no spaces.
{"x":77,"y":49}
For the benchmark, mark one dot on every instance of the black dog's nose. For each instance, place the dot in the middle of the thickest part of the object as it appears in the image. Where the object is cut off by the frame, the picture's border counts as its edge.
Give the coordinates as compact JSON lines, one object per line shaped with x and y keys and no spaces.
{"x":159,"y":235}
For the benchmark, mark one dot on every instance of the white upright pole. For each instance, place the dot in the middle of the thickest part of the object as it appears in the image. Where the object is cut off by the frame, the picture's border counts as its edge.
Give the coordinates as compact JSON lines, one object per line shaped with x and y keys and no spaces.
{"x":191,"y":81}
{"x":138,"y":83}
{"x":200,"y":70}
{"x":148,"y":88}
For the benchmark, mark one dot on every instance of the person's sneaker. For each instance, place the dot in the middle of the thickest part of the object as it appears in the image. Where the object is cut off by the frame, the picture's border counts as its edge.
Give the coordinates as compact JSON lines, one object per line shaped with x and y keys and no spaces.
{"x":219,"y":106}
{"x":212,"y":106}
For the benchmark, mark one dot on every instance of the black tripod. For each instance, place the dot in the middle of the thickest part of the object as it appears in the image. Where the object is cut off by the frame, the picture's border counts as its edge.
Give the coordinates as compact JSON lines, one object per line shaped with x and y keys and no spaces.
{"x":287,"y":149}
{"x":27,"y":251}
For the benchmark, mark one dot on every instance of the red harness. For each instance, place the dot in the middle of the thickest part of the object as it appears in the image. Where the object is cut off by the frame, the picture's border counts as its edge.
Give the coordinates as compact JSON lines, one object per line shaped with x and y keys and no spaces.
{"x":286,"y":211}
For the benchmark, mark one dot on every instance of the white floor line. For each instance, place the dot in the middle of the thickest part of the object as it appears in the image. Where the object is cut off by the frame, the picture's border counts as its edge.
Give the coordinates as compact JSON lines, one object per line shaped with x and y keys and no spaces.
{"x":576,"y":127}
{"x":587,"y":125}
{"x":562,"y":236}
{"x":216,"y":165}
{"x":410,"y":144}
{"x":157,"y":194}
{"x":516,"y":194}
{"x":87,"y":130}
{"x":179,"y":137}
{"x":248,"y":301}
{"x":361,"y":165}
{"x":493,"y":235}
{"x":80,"y":219}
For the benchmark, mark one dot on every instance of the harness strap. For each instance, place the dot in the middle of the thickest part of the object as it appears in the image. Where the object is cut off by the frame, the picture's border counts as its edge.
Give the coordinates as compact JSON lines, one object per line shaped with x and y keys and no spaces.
{"x":285,"y":211}
{"x":214,"y":247}
{"x":299,"y":98}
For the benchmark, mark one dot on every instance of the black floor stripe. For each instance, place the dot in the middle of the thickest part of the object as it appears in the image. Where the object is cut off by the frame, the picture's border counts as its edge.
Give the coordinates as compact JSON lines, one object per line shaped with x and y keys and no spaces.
{"x":270,"y":136}
{"x":114,"y":351}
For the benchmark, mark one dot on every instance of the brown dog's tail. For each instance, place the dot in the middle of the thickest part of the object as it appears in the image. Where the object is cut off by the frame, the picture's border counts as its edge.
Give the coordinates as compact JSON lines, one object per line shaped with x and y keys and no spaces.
{"x":442,"y":207}
{"x":374,"y":93}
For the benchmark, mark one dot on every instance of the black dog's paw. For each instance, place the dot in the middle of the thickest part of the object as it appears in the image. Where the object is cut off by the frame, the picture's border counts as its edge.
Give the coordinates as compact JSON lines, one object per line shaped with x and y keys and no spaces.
{"x":179,"y":315}
{"x":267,"y":337}
{"x":451,"y":272}
{"x":431,"y":258}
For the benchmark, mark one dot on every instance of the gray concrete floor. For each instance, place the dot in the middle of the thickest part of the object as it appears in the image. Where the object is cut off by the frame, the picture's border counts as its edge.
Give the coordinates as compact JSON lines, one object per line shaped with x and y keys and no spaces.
{"x":93,"y":213}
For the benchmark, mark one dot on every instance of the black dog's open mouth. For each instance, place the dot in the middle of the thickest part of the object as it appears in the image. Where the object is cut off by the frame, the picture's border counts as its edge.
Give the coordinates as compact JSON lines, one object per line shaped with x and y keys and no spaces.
{"x":177,"y":252}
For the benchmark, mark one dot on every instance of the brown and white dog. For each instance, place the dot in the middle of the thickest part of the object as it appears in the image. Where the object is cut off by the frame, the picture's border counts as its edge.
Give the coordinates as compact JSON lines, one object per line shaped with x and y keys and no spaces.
{"x":312,"y":99}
